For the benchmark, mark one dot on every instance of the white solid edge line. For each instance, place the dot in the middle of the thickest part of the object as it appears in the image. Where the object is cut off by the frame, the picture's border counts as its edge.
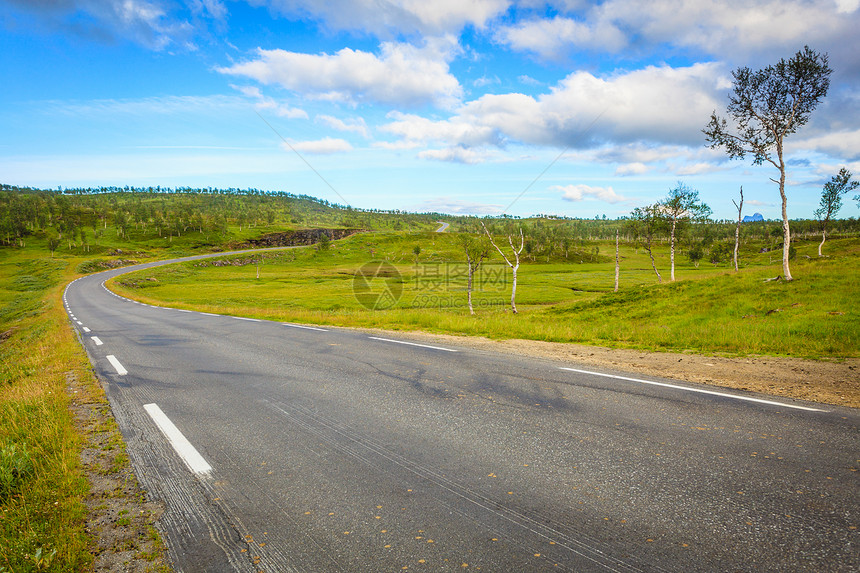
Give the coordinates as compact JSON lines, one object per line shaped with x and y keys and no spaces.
{"x":413,"y":344}
{"x":97,"y":340}
{"x":181,"y":445}
{"x":700,"y":391}
{"x":120,"y":369}
{"x":305,"y":327}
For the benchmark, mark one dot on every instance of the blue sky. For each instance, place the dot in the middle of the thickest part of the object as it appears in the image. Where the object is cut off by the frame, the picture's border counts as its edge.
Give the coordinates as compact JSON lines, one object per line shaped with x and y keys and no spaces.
{"x":460,"y":106}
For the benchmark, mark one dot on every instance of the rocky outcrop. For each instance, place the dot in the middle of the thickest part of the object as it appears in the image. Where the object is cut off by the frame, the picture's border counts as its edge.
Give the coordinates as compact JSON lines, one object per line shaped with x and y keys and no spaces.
{"x":295,"y":238}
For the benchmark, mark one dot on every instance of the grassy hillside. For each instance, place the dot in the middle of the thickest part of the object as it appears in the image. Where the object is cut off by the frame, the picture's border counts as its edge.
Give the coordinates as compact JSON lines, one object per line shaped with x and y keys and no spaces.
{"x":711,"y":309}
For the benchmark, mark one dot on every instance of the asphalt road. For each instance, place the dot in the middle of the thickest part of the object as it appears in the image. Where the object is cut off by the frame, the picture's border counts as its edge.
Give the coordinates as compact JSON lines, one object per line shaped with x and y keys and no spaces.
{"x":294,"y":449}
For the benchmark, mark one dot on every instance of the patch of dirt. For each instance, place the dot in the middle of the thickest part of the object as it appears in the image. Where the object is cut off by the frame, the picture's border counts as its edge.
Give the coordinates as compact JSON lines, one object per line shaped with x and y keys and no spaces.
{"x":826,"y":382}
{"x":120,"y":520}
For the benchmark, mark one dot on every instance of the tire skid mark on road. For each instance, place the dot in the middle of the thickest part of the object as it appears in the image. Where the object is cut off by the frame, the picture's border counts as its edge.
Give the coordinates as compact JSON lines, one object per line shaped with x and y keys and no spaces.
{"x":581,"y":547}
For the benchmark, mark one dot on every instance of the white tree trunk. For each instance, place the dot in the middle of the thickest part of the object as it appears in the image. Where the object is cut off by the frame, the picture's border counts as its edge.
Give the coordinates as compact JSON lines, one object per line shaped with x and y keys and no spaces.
{"x":514,"y":289}
{"x":821,"y":244}
{"x":737,"y":229}
{"x":786,"y":232}
{"x":653,"y":264}
{"x":672,"y":249}
{"x":469,"y":286}
{"x":617,"y":269}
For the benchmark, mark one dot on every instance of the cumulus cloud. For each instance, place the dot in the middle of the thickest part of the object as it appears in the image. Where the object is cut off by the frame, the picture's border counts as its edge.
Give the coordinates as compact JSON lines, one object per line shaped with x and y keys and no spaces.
{"x":553,"y":38}
{"x":659,"y":105}
{"x":416,"y":130}
{"x":740,"y":29}
{"x":393,"y":17}
{"x":584,"y":192}
{"x":837,"y":144}
{"x":401,"y":74}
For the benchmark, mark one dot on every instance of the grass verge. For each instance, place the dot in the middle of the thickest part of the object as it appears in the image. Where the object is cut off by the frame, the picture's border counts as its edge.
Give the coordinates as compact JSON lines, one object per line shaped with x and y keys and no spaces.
{"x":46,"y":498}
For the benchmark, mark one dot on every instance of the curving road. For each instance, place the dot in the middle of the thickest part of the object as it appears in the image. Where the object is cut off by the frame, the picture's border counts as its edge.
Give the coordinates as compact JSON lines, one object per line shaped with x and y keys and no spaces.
{"x":280,"y":447}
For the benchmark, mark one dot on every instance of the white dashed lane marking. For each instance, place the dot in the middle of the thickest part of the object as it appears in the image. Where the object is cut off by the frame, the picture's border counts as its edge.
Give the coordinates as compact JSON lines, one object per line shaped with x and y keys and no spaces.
{"x":180,"y":443}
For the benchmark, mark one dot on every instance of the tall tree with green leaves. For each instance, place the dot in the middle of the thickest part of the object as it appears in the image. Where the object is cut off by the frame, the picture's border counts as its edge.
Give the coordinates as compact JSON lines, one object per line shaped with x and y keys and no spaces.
{"x":682,"y":206}
{"x":765,"y":107}
{"x":831,"y":200}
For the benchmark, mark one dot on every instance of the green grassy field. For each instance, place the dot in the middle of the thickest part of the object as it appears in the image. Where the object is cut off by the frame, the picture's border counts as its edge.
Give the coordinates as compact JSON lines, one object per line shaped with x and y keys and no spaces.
{"x":708,"y":310}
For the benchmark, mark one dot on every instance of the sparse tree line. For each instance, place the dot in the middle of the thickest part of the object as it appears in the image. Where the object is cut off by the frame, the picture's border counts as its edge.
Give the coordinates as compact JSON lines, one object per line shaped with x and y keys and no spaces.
{"x":78,"y":218}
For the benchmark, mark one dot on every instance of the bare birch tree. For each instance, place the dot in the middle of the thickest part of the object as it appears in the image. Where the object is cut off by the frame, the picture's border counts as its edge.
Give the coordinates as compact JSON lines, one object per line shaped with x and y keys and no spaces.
{"x":766,"y":106}
{"x":738,"y":228}
{"x":682,"y":205}
{"x":831,"y":200}
{"x":617,"y":268}
{"x":476,"y":250}
{"x":644,"y":222}
{"x":514,"y":266}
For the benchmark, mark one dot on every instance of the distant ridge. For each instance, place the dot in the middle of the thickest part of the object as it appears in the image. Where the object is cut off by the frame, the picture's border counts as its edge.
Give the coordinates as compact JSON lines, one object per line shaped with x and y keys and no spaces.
{"x":753,"y":217}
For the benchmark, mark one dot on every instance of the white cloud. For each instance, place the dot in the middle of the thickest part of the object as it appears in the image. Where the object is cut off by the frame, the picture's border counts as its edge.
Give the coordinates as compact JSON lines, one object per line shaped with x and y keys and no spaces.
{"x":583,"y":192}
{"x":659,"y":105}
{"x":455,"y":154}
{"x":393,"y":17}
{"x":844,"y":144}
{"x":213,"y":8}
{"x":324,"y":146}
{"x":739,"y":29}
{"x":553,"y":38}
{"x":266,"y":103}
{"x":357,"y":125}
{"x":696,"y":169}
{"x":415,"y":130}
{"x":485,"y":81}
{"x":632,"y":169}
{"x":528,"y":80}
{"x":458,"y":207}
{"x":401,"y":74}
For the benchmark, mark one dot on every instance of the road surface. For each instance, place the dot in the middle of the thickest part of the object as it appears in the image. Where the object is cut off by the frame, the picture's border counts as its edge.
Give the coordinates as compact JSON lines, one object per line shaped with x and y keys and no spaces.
{"x":279,"y":447}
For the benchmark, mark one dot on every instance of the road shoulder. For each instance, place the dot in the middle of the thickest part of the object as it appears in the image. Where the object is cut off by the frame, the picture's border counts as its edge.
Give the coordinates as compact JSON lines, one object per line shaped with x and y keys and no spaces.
{"x":826,"y":382}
